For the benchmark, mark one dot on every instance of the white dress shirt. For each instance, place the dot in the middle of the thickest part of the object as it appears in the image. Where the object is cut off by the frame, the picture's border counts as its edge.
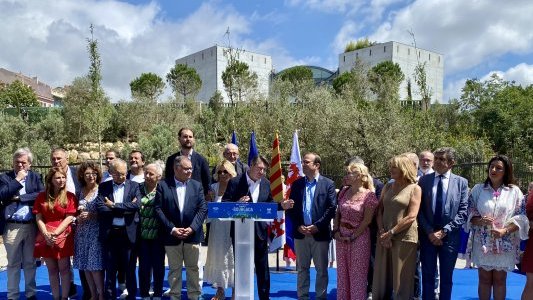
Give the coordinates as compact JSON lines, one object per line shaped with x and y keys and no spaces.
{"x":181,"y":188}
{"x":253,"y":188}
{"x":71,"y":187}
{"x":118,"y":196}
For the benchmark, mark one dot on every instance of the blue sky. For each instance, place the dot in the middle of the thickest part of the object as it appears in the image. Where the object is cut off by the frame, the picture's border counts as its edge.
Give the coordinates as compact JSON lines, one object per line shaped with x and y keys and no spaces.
{"x":46,"y":38}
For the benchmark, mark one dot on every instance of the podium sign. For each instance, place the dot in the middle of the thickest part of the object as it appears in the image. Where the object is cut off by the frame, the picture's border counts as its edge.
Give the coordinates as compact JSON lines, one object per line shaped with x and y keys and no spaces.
{"x":244,"y":214}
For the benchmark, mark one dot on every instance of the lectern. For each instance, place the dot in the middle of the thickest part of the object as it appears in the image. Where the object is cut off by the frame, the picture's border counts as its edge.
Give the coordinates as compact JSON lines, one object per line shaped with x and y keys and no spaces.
{"x":244,"y":214}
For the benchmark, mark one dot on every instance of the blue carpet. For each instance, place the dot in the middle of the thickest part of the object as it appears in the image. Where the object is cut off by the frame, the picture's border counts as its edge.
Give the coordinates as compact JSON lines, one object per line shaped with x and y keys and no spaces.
{"x":283,"y":285}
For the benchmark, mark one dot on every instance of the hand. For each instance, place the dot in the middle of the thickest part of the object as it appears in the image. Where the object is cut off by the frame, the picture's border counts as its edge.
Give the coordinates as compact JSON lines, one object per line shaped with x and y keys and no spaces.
{"x":312,"y":229}
{"x":244,"y":199}
{"x":84,"y":215}
{"x":210,"y":195}
{"x":134,"y":200}
{"x":385,"y":238}
{"x":435,"y":238}
{"x":15,"y":198}
{"x":175,"y":232}
{"x":487,"y":221}
{"x":303,"y":230}
{"x":21,"y":175}
{"x":287,"y":204}
{"x":49,"y":238}
{"x":498,"y":233}
{"x":109,"y":203}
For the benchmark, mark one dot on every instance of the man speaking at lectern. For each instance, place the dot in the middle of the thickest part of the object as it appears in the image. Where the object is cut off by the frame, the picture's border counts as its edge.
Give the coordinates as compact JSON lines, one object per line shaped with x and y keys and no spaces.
{"x":252,"y":186}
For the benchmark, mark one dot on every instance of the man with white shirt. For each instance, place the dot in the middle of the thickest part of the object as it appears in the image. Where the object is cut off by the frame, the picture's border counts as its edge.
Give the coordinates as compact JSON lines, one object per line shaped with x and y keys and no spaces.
{"x":443,"y":211}
{"x":252,"y":186}
{"x":181,"y":207}
{"x":18,"y":190}
{"x":136,"y":172}
{"x":426,"y":162}
{"x":118,"y":204}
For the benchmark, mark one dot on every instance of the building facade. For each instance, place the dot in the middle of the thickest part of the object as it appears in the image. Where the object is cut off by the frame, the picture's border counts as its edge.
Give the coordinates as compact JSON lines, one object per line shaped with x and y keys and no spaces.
{"x":407,"y":57}
{"x":211,"y":62}
{"x":41,"y":89}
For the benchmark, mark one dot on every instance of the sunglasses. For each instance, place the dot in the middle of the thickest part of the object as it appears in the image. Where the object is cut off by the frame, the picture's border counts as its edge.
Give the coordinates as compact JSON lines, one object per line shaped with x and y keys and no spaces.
{"x":222,"y":172}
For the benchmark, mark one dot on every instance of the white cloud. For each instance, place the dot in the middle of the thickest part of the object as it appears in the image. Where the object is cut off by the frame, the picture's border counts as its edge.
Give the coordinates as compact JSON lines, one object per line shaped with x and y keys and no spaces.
{"x":468,"y":33}
{"x":48,"y":38}
{"x":453,"y":90}
{"x":521,"y":74}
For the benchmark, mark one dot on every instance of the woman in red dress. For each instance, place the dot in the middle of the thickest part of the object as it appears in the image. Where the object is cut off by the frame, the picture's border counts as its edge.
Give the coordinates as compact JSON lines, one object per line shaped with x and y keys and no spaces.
{"x":527,"y":260}
{"x":54,"y":209}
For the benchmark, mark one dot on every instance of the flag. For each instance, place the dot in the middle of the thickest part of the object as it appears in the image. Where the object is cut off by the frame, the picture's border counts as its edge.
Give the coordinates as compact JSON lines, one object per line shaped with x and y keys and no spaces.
{"x":234,"y":139}
{"x":276,"y":229}
{"x":253,"y":153}
{"x":295,"y":172}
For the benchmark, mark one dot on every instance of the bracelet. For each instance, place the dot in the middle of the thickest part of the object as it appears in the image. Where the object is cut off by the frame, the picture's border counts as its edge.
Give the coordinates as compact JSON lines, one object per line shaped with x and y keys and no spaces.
{"x":391,"y":231}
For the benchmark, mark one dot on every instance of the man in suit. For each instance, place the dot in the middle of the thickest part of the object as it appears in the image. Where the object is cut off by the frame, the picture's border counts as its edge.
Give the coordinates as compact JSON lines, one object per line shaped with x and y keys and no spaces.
{"x":314,"y":207}
{"x":426,"y":162}
{"x":18,"y":190}
{"x":118,"y":204}
{"x":181,"y":207}
{"x":252,"y":186}
{"x":443,"y":210}
{"x":231,"y":154}
{"x":200,"y":167}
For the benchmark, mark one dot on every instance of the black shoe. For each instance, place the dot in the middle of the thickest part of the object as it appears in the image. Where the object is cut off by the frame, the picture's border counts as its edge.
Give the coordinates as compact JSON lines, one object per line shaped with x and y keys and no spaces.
{"x":32,"y":298}
{"x":73,"y":292}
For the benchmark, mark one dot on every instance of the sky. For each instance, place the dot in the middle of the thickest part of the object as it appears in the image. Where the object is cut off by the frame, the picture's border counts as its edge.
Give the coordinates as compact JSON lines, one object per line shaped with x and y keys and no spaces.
{"x":48,"y":38}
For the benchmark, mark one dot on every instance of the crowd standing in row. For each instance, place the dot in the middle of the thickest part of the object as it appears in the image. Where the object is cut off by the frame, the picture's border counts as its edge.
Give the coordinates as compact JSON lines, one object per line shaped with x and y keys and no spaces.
{"x":106,"y":222}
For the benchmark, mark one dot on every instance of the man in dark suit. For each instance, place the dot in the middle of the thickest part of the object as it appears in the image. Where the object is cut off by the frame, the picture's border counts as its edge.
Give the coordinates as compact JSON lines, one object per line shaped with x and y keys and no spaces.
{"x":314,"y":207}
{"x":18,"y":190}
{"x":443,"y":210}
{"x":231,"y":154}
{"x":180,"y":205}
{"x":200,"y":167}
{"x":118,"y":213}
{"x":252,"y":186}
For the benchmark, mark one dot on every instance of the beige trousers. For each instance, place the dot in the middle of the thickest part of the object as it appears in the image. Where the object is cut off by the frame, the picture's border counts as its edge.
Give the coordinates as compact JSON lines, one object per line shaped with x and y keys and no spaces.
{"x":188,"y":255}
{"x":19,"y":241}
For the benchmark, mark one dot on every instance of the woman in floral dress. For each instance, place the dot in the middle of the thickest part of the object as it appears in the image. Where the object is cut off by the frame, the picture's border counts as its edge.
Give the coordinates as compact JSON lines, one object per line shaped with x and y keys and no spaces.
{"x":88,"y":254}
{"x":355,"y":211}
{"x":498,"y":222}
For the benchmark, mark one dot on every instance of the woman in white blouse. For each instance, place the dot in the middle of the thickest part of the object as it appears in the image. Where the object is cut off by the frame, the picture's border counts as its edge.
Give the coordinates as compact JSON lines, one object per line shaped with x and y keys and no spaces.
{"x":498,"y":223}
{"x":219,"y":267}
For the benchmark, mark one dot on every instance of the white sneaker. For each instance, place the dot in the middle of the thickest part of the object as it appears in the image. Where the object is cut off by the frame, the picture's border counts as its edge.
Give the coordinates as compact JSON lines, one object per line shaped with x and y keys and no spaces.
{"x":166,"y":293}
{"x":124,"y":294}
{"x":156,"y":298}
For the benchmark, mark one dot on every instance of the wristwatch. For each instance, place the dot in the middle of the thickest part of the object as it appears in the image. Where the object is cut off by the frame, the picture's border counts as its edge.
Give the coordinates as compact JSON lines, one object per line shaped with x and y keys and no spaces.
{"x":445,"y":230}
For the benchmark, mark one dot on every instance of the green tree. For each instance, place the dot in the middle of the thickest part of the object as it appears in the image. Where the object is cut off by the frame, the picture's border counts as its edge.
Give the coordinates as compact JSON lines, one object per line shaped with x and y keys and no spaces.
{"x":149,"y":86}
{"x":359,"y":44}
{"x":423,"y":87}
{"x":185,"y":81}
{"x":238,"y":80}
{"x":385,"y":79}
{"x":297,"y":74}
{"x":77,"y":97}
{"x":18,"y":95}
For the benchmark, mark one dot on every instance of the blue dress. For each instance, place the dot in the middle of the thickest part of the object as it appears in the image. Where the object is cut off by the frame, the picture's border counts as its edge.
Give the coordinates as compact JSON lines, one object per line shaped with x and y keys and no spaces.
{"x":88,"y":250}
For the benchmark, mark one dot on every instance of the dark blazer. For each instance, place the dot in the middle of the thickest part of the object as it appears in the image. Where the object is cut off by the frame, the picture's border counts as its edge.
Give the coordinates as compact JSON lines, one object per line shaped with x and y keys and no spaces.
{"x":10,"y":187}
{"x":322,"y":209}
{"x":128,"y":209}
{"x":455,"y":208}
{"x":167,"y":210}
{"x":238,"y":187}
{"x":200,"y":169}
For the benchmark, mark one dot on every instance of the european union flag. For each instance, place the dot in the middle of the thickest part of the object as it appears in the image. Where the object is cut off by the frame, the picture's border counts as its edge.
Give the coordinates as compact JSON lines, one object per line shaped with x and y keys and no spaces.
{"x":253,"y":149}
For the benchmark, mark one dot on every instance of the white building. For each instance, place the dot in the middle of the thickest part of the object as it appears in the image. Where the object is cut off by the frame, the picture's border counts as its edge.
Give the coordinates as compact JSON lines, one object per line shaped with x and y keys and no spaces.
{"x":407,"y":57}
{"x":211,"y":62}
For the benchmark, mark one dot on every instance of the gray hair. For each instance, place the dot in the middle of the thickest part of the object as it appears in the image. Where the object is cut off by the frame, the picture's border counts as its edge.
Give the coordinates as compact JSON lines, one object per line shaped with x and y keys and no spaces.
{"x":230,"y":145}
{"x":413,"y":157}
{"x":179,"y":159}
{"x":354,"y":160}
{"x":115,"y":163}
{"x":21,"y":152}
{"x":158,"y":168}
{"x":449,"y":152}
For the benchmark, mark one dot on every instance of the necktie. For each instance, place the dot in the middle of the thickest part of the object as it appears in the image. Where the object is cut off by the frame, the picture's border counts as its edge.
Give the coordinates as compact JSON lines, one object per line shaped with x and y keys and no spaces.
{"x":438,"y":203}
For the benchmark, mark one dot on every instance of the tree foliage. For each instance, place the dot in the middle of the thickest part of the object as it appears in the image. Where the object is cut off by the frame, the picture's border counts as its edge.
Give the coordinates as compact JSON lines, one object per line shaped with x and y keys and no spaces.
{"x":18,"y":95}
{"x":239,"y":81}
{"x":185,"y":81}
{"x":359,"y":44}
{"x":148,"y":86}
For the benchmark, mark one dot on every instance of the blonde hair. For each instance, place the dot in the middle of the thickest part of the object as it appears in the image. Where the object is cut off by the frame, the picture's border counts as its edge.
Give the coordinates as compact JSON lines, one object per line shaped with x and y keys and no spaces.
{"x":61,"y":197}
{"x":406,"y":167}
{"x":228,"y":166}
{"x":368,"y":183}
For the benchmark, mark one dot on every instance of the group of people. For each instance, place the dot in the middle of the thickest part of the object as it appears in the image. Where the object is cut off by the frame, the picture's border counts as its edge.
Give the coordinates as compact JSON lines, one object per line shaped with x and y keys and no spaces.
{"x":104,"y":223}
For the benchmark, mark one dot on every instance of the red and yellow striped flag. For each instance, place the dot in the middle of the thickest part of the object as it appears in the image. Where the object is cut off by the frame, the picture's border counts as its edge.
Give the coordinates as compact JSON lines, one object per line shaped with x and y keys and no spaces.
{"x":276,"y":185}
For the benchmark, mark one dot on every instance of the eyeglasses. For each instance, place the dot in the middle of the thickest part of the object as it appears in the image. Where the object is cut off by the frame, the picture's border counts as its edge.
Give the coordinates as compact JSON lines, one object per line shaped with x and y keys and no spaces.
{"x":91,"y":174}
{"x":222,"y":172}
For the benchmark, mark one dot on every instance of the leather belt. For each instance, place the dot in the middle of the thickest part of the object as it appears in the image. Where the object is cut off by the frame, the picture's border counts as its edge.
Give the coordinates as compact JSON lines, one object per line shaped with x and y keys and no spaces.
{"x":19,"y":222}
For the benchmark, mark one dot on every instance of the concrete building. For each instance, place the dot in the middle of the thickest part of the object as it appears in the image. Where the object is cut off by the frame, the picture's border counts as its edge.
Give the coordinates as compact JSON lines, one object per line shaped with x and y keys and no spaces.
{"x":407,"y":57}
{"x":41,"y":89}
{"x":211,"y":62}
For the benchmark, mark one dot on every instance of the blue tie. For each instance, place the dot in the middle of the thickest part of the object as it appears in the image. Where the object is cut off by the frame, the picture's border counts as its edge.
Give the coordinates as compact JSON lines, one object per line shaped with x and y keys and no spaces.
{"x":437,"y":220}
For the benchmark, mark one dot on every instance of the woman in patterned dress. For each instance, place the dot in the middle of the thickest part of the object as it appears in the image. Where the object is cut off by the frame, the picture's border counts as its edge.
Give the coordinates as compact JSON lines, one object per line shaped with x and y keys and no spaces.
{"x":54,"y":209}
{"x":151,"y":248}
{"x":498,"y":223}
{"x":355,"y":211}
{"x":88,"y":254}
